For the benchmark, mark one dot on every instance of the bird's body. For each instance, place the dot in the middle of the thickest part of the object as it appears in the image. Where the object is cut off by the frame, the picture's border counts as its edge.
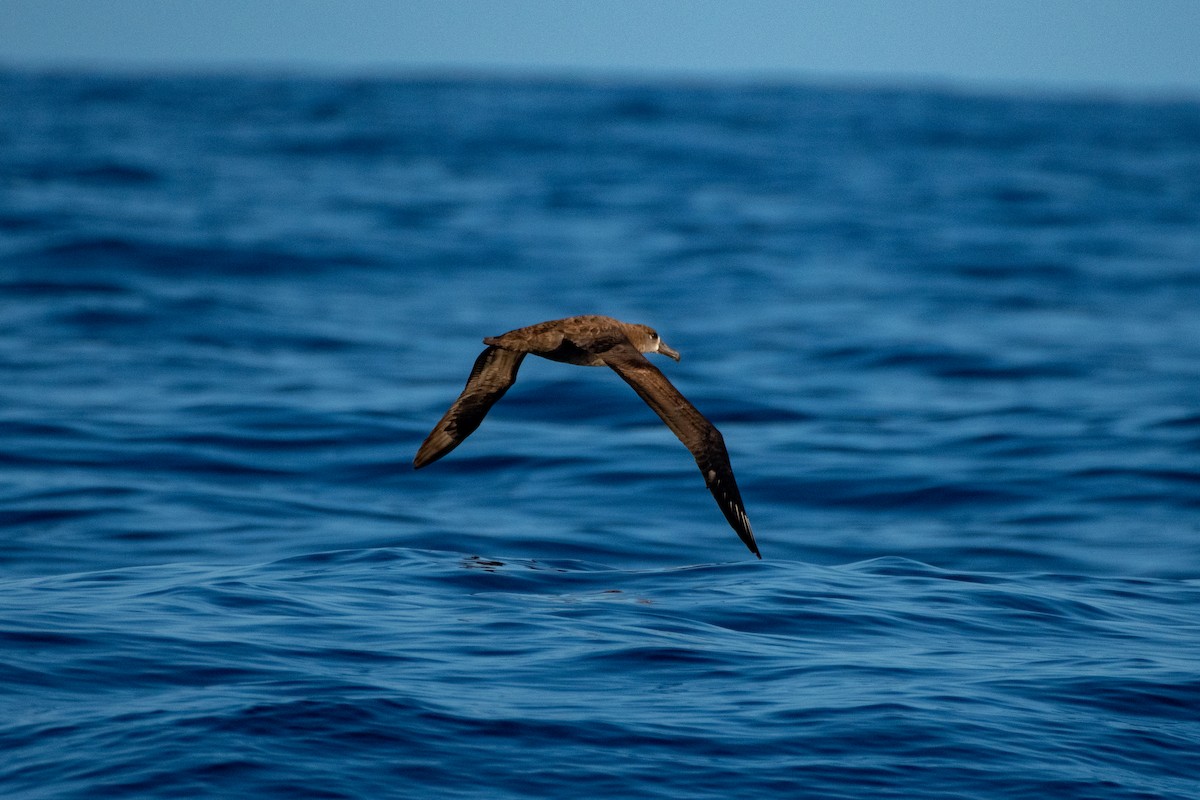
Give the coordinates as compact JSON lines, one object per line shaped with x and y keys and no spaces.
{"x":593,"y":341}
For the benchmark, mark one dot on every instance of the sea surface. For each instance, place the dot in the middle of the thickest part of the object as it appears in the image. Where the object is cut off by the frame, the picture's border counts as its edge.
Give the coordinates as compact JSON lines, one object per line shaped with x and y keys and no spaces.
{"x":952,"y":339}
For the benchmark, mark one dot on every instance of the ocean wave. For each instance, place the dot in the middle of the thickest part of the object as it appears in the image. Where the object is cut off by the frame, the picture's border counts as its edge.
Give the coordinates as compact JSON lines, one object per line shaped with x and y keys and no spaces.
{"x":950,"y":341}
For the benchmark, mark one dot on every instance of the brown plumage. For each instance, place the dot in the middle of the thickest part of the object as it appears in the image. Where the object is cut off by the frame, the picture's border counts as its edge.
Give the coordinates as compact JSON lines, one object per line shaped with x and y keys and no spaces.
{"x":593,"y":341}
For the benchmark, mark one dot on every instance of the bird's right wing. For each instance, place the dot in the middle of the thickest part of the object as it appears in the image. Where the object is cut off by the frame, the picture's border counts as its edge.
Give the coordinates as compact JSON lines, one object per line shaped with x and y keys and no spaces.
{"x":495,"y":370}
{"x":699,"y":435}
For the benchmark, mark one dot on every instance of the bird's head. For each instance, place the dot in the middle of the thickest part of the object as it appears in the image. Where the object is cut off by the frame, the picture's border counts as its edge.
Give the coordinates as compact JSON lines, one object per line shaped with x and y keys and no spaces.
{"x":647,"y":340}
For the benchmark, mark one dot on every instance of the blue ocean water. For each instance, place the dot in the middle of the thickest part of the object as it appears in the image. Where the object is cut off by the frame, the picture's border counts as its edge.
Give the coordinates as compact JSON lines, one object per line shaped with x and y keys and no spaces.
{"x":952,"y":340}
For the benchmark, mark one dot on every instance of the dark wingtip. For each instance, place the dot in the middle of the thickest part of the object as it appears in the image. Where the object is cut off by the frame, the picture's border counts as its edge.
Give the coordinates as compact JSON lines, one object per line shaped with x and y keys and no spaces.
{"x":752,"y":546}
{"x":425,"y":456}
{"x":741,"y":526}
{"x":436,"y":445}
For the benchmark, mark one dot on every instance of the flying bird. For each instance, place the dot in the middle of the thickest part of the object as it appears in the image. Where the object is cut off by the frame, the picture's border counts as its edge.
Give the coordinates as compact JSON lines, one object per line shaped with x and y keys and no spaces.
{"x":593,"y":341}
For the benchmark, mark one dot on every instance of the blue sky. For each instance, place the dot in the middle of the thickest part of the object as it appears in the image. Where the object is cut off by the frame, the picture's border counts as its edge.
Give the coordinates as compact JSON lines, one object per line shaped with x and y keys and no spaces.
{"x":1116,"y":45}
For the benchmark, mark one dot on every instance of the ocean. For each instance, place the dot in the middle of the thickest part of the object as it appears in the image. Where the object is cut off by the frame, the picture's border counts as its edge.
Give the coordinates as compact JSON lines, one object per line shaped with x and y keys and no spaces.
{"x":951,"y":337}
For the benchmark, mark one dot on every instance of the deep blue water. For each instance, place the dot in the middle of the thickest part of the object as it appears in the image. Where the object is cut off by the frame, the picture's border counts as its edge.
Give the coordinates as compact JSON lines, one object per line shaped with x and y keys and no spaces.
{"x":952,"y":341}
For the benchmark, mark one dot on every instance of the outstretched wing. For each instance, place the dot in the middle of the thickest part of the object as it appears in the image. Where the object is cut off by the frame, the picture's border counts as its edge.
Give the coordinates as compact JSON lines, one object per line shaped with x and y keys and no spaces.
{"x":695,"y":431}
{"x":494,"y":371}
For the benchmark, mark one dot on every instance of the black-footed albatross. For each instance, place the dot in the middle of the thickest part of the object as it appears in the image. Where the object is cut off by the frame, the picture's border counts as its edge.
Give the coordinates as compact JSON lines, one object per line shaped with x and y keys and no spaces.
{"x":593,"y":341}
